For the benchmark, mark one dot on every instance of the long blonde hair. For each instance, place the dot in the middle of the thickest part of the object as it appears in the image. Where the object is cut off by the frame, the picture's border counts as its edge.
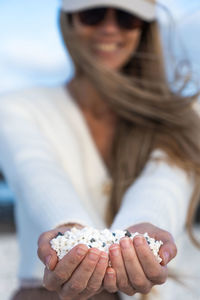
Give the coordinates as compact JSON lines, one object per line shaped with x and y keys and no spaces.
{"x":151,"y":115}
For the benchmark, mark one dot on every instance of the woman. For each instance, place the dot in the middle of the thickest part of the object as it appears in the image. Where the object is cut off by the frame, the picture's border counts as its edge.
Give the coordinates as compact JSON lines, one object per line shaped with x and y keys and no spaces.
{"x":114,"y":147}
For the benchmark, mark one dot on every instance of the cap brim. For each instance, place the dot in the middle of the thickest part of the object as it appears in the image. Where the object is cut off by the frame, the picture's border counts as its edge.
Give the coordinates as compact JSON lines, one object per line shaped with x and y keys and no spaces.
{"x":145,"y":9}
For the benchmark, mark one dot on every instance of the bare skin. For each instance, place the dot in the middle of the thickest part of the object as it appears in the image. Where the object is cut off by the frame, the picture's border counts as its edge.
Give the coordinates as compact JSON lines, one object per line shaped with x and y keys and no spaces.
{"x":101,"y":120}
{"x":84,"y":273}
{"x":136,"y":268}
{"x":79,"y":275}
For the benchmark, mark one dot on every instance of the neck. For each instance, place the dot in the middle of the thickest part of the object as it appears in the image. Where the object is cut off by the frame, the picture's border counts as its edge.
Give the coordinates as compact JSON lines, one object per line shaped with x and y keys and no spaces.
{"x":101,"y":120}
{"x":89,"y":100}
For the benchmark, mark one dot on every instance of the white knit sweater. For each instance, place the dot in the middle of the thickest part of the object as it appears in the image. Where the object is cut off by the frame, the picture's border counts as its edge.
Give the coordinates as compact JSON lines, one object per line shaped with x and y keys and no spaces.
{"x":57,"y":174}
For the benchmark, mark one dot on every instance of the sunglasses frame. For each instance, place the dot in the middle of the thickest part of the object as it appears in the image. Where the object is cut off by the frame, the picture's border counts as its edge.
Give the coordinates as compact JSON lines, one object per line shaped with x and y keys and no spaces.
{"x":125,"y":20}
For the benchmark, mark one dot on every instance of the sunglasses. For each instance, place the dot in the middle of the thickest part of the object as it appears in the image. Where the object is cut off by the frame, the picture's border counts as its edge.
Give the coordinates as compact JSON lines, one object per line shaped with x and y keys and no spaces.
{"x":94,"y":17}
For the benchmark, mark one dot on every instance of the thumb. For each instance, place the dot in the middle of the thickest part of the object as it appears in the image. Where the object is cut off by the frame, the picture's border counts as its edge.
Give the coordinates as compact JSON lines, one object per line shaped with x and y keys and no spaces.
{"x":46,"y":254}
{"x":167,"y":252}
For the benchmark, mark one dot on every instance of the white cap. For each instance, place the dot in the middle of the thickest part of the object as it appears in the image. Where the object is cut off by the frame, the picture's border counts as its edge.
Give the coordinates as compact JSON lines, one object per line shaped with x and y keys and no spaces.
{"x":145,"y":9}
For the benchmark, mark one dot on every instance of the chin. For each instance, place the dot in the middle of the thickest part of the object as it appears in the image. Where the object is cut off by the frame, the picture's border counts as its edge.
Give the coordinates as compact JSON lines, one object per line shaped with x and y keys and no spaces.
{"x":113,"y":66}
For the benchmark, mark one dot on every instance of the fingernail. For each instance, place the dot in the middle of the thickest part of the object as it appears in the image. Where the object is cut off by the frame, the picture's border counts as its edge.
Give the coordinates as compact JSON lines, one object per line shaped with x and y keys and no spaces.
{"x":115,"y":251}
{"x":138,"y":241}
{"x":47,"y":261}
{"x":166,"y":257}
{"x":103,"y":258}
{"x":81,"y":251}
{"x":110,"y":274}
{"x":93,"y":255}
{"x":125,"y":243}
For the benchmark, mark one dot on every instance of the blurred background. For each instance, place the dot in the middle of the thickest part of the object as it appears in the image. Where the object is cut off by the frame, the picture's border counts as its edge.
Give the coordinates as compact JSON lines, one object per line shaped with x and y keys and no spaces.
{"x":31,"y":53}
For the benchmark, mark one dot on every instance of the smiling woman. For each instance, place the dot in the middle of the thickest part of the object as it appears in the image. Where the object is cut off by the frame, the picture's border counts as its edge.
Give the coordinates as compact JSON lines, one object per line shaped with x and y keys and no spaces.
{"x":114,"y":146}
{"x":109,"y":47}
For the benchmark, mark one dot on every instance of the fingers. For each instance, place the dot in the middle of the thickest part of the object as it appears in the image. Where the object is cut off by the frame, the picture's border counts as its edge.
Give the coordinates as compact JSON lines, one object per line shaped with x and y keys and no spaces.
{"x":135,"y":272}
{"x":81,"y":276}
{"x":153,"y":271}
{"x":110,"y":281}
{"x":118,"y":265}
{"x":168,"y":251}
{"x":46,"y":254}
{"x":95,"y":282}
{"x":64,"y":268}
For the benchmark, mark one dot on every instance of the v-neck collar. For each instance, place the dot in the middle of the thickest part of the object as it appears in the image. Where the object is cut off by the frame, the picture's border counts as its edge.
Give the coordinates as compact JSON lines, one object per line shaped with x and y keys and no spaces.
{"x":94,"y":174}
{"x":85,"y":130}
{"x":81,"y":126}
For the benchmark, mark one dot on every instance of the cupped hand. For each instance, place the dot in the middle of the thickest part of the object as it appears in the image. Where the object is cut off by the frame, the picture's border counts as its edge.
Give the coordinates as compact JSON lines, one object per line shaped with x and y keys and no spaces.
{"x":134,"y":267}
{"x":78,"y":275}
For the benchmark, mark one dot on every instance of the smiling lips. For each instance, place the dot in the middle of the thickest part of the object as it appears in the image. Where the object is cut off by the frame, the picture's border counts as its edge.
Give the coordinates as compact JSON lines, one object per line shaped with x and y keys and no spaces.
{"x":105,"y":47}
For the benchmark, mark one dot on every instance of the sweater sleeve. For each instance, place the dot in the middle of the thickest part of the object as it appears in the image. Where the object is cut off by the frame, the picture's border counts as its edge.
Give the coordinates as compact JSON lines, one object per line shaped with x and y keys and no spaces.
{"x":33,"y":171}
{"x":160,"y":195}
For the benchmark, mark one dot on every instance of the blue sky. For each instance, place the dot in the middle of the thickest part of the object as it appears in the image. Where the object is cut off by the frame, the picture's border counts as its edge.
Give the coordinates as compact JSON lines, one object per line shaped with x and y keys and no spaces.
{"x":31,"y":50}
{"x":181,"y":8}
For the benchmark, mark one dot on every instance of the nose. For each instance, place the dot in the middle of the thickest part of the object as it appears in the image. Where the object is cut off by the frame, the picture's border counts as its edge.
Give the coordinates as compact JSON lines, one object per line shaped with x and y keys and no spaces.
{"x":109,"y":24}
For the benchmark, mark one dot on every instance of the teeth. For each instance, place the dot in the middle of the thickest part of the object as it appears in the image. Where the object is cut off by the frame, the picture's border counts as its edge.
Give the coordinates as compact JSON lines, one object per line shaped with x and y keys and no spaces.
{"x":106,"y":47}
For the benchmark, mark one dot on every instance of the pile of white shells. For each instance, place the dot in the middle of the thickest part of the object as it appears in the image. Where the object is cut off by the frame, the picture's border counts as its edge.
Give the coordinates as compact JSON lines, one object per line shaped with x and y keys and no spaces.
{"x":94,"y":238}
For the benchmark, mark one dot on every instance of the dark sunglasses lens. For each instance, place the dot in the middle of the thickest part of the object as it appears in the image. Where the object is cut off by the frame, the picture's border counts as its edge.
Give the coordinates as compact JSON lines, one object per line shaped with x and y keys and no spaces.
{"x":92,"y":16}
{"x":127,"y":20}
